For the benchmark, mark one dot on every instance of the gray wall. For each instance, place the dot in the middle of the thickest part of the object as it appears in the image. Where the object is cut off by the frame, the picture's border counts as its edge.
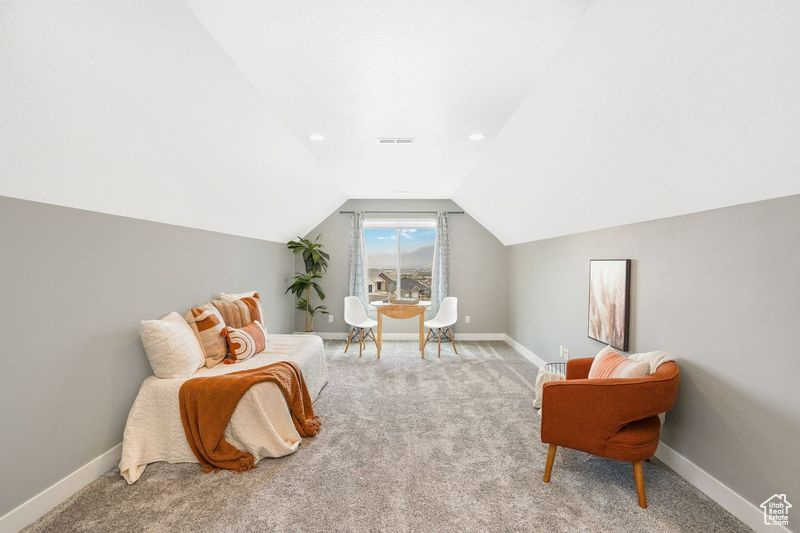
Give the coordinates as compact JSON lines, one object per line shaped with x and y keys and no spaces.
{"x":721,"y":291}
{"x":75,"y":285}
{"x":477,"y":268}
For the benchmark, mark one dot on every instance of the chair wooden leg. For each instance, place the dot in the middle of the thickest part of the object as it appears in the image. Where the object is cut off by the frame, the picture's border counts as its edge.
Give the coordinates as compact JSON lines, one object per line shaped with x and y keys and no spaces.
{"x":548,"y":467}
{"x":349,"y":338}
{"x":439,"y":343}
{"x":638,"y":476}
{"x":368,"y":335}
{"x":360,"y":342}
{"x":453,"y":340}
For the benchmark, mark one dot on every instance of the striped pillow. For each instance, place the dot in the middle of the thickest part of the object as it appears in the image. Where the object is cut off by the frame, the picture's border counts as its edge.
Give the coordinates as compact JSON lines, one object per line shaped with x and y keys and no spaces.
{"x":610,"y":364}
{"x":252,"y":300}
{"x":207,"y":325}
{"x":239,"y":312}
{"x":244,"y":343}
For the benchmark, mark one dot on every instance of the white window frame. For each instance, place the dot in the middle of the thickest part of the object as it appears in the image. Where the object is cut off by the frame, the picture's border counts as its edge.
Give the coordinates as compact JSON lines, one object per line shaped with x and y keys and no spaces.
{"x":398,"y":224}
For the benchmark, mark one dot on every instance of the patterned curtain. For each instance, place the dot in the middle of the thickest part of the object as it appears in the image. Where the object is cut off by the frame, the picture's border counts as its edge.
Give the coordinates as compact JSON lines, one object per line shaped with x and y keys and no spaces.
{"x":357,"y":267}
{"x":441,"y":264}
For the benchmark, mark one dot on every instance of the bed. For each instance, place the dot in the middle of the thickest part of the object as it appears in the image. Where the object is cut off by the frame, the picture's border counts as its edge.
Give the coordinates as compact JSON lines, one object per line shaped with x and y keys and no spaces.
{"x":260,"y":425}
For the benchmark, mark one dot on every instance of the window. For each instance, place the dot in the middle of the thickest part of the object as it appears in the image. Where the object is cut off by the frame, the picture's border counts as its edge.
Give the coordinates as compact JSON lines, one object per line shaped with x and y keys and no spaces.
{"x":399,"y":250}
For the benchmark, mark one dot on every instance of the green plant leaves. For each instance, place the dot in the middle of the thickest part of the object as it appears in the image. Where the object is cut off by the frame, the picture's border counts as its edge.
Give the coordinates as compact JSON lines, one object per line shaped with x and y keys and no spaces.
{"x":315,"y":258}
{"x":315,"y":261}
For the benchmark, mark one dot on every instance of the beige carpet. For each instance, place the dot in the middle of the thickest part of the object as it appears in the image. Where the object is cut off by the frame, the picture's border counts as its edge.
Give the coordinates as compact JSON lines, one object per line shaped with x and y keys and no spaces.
{"x":448,"y":444}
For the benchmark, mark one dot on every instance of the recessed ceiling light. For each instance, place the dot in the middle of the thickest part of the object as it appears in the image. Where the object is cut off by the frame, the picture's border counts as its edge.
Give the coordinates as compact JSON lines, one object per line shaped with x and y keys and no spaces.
{"x":316,"y":137}
{"x":476,"y":137}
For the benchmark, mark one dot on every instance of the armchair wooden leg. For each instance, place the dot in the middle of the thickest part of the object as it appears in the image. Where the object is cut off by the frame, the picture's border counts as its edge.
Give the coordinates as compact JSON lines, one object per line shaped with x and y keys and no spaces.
{"x":548,"y":468}
{"x":638,"y":476}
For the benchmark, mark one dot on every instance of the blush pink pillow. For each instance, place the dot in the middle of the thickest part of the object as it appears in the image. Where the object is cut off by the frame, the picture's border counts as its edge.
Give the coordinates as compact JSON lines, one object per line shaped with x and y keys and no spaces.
{"x":610,"y":364}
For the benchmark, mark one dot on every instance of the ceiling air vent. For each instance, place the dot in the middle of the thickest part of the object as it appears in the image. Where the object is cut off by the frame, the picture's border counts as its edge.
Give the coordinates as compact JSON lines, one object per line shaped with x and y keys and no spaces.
{"x":395,"y":140}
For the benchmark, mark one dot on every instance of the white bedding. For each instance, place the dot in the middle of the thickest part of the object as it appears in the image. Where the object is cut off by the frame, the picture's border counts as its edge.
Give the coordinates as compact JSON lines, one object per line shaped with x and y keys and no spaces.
{"x":260,"y":425}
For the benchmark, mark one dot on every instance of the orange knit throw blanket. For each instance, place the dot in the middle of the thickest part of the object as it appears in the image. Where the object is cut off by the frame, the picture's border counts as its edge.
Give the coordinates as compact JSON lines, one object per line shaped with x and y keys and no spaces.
{"x":207,"y":405}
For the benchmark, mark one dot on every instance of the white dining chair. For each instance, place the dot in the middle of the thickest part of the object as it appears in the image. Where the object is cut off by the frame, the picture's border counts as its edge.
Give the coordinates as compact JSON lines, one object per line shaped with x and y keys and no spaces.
{"x":359,"y":321}
{"x":441,"y":326}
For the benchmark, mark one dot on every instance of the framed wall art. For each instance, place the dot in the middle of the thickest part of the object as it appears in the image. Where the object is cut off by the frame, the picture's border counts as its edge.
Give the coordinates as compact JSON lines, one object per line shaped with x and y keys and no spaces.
{"x":609,"y":301}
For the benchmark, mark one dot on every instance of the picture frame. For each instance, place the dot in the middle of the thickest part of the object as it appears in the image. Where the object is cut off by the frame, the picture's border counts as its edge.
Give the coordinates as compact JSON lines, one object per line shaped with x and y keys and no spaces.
{"x":610,"y":302}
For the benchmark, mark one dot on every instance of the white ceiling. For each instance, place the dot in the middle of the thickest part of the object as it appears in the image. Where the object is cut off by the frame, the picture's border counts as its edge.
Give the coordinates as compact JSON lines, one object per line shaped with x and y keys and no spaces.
{"x":131,"y":108}
{"x":594,"y":115}
{"x":651,"y":110}
{"x":357,"y":70}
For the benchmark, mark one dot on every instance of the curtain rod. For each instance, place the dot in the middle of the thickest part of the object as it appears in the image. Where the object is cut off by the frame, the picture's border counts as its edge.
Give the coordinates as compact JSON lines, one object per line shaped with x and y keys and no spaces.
{"x":401,"y":212}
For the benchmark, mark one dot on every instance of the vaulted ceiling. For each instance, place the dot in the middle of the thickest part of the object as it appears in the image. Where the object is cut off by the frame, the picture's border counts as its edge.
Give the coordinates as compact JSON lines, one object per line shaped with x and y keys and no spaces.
{"x":650,"y":110}
{"x":594,"y":114}
{"x":354,"y":71}
{"x":132,"y":108}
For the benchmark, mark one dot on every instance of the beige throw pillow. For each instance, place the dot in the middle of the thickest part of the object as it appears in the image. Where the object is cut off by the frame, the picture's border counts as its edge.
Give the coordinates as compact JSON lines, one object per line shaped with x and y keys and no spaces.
{"x":207,"y":325}
{"x":250,"y":299}
{"x":610,"y":364}
{"x":244,"y":343}
{"x":239,"y":312}
{"x":171,"y":347}
{"x":233,"y":315}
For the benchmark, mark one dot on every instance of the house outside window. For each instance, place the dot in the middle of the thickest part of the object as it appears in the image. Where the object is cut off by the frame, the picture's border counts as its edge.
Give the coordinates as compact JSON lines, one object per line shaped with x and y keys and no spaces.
{"x":399,"y":250}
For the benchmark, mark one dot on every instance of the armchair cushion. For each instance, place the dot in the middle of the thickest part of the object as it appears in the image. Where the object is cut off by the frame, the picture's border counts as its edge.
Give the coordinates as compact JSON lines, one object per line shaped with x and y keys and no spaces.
{"x":643,"y":434}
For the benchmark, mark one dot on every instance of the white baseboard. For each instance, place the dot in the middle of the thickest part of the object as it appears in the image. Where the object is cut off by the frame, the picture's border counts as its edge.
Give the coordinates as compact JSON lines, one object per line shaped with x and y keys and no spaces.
{"x":715,"y":489}
{"x":29,"y":511}
{"x":331,"y":336}
{"x":415,"y":336}
{"x":480,"y":336}
{"x":529,"y":355}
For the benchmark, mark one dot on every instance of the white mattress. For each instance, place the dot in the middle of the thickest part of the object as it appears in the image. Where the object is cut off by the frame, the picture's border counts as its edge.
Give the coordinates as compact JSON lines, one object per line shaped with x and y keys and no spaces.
{"x":260,"y":425}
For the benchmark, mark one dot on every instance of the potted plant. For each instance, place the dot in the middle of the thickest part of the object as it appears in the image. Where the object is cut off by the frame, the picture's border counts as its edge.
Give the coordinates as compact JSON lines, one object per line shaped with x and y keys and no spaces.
{"x":315,"y":260}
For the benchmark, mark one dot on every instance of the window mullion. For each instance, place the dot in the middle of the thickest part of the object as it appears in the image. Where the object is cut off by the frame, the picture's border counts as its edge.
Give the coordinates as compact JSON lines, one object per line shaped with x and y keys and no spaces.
{"x":397,"y":259}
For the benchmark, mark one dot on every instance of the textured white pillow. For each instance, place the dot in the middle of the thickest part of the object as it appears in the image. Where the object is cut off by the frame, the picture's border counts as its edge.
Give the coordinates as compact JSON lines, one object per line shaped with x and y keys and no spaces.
{"x":171,"y":346}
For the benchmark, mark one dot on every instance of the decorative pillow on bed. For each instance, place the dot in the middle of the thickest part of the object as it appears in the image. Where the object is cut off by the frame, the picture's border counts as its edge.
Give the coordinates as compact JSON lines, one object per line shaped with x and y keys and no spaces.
{"x":171,"y":347}
{"x":252,"y":306}
{"x":244,"y":343}
{"x":207,"y":325}
{"x":240,"y":312}
{"x":251,"y":300}
{"x":610,"y":364}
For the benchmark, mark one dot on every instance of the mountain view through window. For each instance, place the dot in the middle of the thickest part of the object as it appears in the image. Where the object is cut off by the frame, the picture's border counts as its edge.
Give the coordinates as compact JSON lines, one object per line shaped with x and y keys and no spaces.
{"x":399,"y":253}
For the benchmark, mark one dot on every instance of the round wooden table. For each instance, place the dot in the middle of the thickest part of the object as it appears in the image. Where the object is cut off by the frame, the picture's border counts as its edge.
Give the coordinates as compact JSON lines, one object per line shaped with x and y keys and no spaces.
{"x":401,"y":311}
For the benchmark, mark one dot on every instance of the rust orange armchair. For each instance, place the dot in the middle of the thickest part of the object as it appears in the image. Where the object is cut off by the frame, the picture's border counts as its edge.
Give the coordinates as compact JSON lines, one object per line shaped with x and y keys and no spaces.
{"x":614,"y":418}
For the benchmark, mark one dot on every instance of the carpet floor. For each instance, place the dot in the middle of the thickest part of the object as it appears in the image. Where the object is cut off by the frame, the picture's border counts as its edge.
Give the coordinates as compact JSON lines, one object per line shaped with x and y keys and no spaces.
{"x":448,"y":444}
